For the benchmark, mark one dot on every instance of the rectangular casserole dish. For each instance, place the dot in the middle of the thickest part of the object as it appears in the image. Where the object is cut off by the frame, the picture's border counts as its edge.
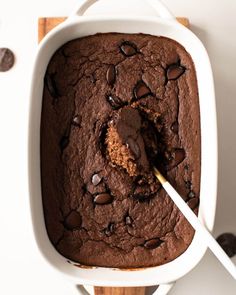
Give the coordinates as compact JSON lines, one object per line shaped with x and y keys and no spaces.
{"x":78,"y":25}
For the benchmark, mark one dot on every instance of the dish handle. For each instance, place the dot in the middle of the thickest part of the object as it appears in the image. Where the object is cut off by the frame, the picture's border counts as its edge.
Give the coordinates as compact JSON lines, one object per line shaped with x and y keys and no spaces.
{"x":161,"y":10}
{"x":161,"y":290}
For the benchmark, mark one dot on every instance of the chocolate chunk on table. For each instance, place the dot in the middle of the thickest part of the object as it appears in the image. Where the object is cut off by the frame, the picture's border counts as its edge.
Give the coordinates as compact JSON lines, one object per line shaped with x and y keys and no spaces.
{"x":6,"y":59}
{"x":228,"y":243}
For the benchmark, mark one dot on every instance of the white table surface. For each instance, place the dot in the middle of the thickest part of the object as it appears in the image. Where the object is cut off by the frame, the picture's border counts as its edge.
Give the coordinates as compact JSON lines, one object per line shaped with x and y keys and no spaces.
{"x":22,"y":269}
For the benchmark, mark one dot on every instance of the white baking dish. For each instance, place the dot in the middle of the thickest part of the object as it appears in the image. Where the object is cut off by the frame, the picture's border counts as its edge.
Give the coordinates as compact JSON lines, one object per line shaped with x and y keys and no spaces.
{"x":163,"y":24}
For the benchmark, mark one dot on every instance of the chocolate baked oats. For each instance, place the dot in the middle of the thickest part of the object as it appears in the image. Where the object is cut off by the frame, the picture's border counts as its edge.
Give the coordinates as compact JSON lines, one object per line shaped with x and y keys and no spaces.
{"x":113,"y":105}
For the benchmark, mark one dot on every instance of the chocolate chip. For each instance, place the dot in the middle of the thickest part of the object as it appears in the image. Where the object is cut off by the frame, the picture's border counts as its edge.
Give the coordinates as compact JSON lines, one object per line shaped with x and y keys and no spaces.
{"x":73,"y":220}
{"x":64,"y":142}
{"x":174,"y":158}
{"x":178,"y":155}
{"x":110,"y":229}
{"x":96,"y":179}
{"x":128,"y":220}
{"x":6,"y":59}
{"x":175,"y":127}
{"x":191,"y":194}
{"x":145,"y":197}
{"x":133,"y":146}
{"x":93,"y":78}
{"x":141,"y":90}
{"x":145,"y":191}
{"x":158,"y":123}
{"x":128,"y":48}
{"x":115,"y":102}
{"x":193,"y":203}
{"x":188,"y":184}
{"x":140,"y":197}
{"x":76,"y":121}
{"x":103,"y":198}
{"x":228,"y":242}
{"x":153,"y":243}
{"x":51,"y":85}
{"x":186,"y":167}
{"x":174,"y":71}
{"x":102,"y":134}
{"x":111,"y":75}
{"x":142,"y":189}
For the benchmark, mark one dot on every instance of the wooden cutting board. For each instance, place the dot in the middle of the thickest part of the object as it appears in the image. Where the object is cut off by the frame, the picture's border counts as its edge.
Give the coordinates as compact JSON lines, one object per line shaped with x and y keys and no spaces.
{"x":119,"y":291}
{"x":46,"y":24}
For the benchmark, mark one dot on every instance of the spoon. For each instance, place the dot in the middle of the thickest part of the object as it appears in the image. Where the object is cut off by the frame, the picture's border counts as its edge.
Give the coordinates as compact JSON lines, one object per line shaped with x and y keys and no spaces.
{"x":207,"y":238}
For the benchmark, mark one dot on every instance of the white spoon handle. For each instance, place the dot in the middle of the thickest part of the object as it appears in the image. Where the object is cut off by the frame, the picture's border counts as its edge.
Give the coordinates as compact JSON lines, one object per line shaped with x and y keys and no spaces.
{"x":207,"y":238}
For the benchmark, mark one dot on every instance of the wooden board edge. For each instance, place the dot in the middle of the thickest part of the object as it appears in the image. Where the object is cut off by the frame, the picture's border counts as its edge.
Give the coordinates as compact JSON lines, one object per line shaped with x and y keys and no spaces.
{"x":46,"y":24}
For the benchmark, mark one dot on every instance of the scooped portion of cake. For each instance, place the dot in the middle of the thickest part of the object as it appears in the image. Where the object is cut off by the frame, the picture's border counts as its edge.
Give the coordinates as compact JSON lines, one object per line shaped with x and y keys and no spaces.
{"x":125,"y":144}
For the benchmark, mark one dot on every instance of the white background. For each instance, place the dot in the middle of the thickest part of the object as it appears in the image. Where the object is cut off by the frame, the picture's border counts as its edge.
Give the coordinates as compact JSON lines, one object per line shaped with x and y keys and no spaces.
{"x":22,"y":269}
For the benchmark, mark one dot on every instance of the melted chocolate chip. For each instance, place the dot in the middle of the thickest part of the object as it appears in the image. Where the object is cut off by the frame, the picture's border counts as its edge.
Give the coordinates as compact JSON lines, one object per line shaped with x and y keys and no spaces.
{"x":102,"y":138}
{"x":186,"y":167}
{"x":188,"y":184}
{"x":174,"y":158}
{"x":96,"y":179}
{"x":128,"y":220}
{"x":73,"y":220}
{"x":153,"y":243}
{"x":93,"y":78}
{"x":228,"y":242}
{"x":110,"y":229}
{"x":64,"y":142}
{"x":193,"y":203}
{"x":174,"y":71}
{"x":178,"y":155}
{"x":149,"y":135}
{"x":191,"y":194}
{"x":6,"y":59}
{"x":76,"y":121}
{"x":175,"y":127}
{"x":115,"y":102}
{"x":128,"y":48}
{"x":142,"y":190}
{"x":111,"y":75}
{"x":141,"y":180}
{"x":145,"y":191}
{"x":134,"y":147}
{"x":51,"y":85}
{"x":103,"y":198}
{"x":158,"y":123}
{"x":142,"y":197}
{"x":141,"y":90}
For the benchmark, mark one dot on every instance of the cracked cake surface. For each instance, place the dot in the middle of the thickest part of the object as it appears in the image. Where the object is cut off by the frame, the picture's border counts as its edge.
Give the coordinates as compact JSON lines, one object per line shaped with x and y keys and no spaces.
{"x":103,"y":92}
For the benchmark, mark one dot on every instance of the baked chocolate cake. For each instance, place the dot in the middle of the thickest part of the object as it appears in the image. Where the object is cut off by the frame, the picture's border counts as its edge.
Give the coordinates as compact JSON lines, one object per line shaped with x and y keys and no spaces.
{"x":114,"y":105}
